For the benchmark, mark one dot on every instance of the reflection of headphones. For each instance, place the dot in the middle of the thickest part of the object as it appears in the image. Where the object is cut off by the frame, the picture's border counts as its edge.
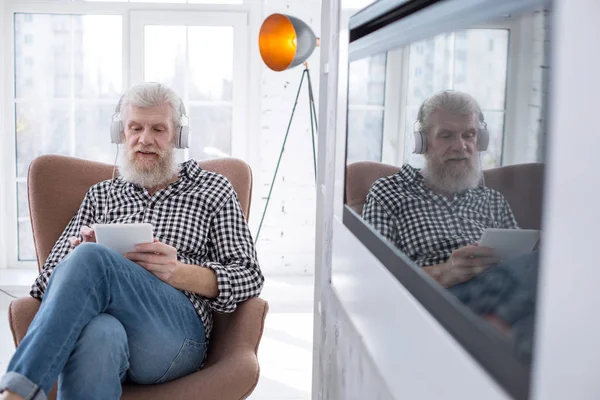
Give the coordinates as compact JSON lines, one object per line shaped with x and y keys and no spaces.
{"x":182,"y":137}
{"x":483,"y":135}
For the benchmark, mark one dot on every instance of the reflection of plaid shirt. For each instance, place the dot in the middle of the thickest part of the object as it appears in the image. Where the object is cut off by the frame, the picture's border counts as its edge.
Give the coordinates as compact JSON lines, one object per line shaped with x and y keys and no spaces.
{"x":428,"y":227}
{"x":199,"y":215}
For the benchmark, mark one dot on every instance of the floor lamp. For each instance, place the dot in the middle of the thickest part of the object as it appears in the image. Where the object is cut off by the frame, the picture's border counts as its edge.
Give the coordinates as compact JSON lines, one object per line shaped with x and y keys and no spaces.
{"x":286,"y":42}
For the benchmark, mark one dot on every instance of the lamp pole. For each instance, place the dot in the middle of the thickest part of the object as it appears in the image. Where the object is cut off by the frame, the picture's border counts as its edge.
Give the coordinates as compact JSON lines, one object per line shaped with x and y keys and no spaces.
{"x":286,"y":42}
{"x":313,"y":127}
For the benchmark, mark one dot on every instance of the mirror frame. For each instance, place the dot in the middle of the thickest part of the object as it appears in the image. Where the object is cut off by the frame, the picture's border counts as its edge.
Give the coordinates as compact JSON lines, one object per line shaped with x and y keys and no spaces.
{"x":386,"y":25}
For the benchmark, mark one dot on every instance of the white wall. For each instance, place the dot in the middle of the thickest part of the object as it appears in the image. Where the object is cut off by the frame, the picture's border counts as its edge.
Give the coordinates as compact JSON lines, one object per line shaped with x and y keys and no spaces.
{"x":286,"y":241}
{"x":568,"y":364}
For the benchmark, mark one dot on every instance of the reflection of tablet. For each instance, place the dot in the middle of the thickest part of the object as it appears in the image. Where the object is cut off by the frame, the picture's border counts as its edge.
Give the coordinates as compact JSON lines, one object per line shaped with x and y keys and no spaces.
{"x":123,"y":238}
{"x":510,"y":243}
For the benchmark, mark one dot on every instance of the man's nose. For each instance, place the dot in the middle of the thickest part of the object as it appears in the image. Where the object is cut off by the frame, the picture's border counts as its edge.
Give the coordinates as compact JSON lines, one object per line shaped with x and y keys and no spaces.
{"x":145,"y":136}
{"x":459,"y":144}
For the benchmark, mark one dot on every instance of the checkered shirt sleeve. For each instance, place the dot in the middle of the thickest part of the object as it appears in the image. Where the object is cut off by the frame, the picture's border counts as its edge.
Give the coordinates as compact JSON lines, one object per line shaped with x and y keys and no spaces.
{"x":507,"y":218}
{"x":380,"y":217}
{"x":233,"y":257}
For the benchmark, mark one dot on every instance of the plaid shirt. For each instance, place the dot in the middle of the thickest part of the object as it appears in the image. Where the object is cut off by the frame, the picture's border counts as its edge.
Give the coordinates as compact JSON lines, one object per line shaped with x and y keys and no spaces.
{"x":428,"y":227}
{"x":199,"y":215}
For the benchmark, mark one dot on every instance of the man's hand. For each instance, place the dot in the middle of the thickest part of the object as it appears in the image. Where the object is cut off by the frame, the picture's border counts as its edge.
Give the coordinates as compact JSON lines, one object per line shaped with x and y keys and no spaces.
{"x":158,"y":258}
{"x":87,"y":234}
{"x":464,"y":264}
{"x":468,"y":262}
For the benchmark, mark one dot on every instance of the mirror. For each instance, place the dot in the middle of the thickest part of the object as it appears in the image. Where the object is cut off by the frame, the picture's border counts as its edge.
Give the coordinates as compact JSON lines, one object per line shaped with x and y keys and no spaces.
{"x":445,"y":161}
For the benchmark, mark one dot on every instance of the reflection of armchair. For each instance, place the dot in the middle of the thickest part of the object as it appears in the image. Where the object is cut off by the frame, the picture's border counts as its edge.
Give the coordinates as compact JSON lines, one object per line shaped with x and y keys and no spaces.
{"x":56,"y":187}
{"x":521,"y":185}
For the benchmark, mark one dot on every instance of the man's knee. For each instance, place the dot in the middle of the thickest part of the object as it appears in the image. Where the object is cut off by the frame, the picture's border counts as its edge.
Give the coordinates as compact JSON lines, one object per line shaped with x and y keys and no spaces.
{"x":90,"y":252}
{"x":88,"y":260}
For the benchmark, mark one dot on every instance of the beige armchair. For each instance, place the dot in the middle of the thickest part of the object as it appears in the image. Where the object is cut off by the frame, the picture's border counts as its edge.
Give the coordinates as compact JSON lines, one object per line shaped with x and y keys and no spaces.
{"x":56,"y":186}
{"x":521,"y":185}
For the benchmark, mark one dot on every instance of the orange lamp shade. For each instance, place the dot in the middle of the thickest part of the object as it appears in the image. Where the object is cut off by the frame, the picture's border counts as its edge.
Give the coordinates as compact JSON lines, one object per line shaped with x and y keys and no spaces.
{"x":285,"y":42}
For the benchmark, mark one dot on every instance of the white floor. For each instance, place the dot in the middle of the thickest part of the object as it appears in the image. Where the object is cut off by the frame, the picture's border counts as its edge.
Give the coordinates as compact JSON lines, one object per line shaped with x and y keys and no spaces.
{"x":285,"y":352}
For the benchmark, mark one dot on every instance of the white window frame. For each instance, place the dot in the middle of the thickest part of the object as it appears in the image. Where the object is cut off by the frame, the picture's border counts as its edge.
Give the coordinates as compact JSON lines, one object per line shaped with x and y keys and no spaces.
{"x":518,"y":86}
{"x":396,"y":83}
{"x":239,"y":21}
{"x":248,"y":124}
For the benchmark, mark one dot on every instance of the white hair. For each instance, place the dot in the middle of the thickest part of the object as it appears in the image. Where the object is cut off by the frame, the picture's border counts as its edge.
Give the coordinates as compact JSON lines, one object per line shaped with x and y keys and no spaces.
{"x":456,"y":102}
{"x":150,"y":94}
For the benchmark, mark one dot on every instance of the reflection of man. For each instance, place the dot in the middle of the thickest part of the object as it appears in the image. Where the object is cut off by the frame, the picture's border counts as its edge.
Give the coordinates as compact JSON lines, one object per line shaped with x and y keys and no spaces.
{"x":436,"y":215}
{"x":145,"y":317}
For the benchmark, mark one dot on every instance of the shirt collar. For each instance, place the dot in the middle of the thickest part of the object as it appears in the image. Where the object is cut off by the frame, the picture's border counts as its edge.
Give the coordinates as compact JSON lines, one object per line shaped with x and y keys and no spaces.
{"x":190,"y":169}
{"x":411,"y":174}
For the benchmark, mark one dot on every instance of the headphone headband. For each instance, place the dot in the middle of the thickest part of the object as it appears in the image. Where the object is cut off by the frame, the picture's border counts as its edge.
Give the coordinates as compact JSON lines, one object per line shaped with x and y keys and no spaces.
{"x":182,"y":133}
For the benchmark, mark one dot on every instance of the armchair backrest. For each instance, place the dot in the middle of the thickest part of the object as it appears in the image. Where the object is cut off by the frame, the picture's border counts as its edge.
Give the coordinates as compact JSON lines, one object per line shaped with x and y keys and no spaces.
{"x":56,"y":187}
{"x":521,"y":185}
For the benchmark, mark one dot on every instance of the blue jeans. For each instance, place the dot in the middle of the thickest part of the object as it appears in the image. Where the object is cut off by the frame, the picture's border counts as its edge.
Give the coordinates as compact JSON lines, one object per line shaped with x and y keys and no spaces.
{"x":508,"y":291}
{"x":104,"y":320}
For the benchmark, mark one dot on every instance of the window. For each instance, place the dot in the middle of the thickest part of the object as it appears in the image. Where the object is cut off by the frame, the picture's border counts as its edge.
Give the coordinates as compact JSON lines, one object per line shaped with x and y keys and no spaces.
{"x":207,"y":89}
{"x":64,"y":100}
{"x":462,"y":52}
{"x":366,"y":102}
{"x":68,"y":76}
{"x":171,"y":1}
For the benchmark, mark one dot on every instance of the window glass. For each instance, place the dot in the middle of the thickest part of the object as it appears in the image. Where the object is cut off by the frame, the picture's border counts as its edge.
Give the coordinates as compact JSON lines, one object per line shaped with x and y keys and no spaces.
{"x":68,"y":77}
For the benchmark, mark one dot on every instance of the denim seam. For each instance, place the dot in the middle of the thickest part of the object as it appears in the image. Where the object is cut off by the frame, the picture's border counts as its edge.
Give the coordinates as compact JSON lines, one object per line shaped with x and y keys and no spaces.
{"x":183,"y":345}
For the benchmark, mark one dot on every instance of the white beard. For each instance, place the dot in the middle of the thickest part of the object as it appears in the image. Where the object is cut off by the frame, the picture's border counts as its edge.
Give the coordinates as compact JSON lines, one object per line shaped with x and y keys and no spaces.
{"x":451,"y":180}
{"x":147,"y":176}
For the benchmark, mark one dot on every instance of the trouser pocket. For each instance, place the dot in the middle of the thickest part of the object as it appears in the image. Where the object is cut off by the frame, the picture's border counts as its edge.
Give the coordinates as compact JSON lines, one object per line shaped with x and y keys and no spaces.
{"x":188,"y":360}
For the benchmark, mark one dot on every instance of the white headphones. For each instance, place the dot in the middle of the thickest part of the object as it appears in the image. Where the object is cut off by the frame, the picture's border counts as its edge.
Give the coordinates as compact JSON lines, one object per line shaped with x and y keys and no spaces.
{"x":483,"y":135}
{"x":182,"y":136}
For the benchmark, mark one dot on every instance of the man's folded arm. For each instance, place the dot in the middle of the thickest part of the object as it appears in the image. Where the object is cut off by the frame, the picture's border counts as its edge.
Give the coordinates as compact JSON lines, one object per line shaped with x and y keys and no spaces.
{"x":233,"y":258}
{"x":381,"y":218}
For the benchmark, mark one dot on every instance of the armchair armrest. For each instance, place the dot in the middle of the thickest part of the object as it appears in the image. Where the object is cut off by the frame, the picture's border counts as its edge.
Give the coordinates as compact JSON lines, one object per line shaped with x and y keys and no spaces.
{"x":231,"y":371}
{"x":20,"y":315}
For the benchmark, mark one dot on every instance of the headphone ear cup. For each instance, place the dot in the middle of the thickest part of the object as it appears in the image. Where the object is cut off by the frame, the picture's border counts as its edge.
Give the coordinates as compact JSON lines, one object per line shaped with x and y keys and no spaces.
{"x":116,"y":127}
{"x":183,"y":141}
{"x":483,"y":140}
{"x":420,"y":143}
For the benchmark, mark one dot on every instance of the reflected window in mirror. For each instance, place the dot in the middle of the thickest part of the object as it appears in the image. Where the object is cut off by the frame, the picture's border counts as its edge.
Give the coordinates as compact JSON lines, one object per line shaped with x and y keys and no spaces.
{"x":445,"y":161}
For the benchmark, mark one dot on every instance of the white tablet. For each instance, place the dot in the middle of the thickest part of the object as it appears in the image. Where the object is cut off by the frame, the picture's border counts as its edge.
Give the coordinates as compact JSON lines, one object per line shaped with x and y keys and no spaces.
{"x":510,"y":243}
{"x":123,"y":238}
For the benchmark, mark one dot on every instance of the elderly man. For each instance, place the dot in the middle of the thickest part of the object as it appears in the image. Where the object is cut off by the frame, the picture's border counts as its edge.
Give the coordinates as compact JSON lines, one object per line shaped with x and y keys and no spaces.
{"x":144,"y":317}
{"x":436,"y":215}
